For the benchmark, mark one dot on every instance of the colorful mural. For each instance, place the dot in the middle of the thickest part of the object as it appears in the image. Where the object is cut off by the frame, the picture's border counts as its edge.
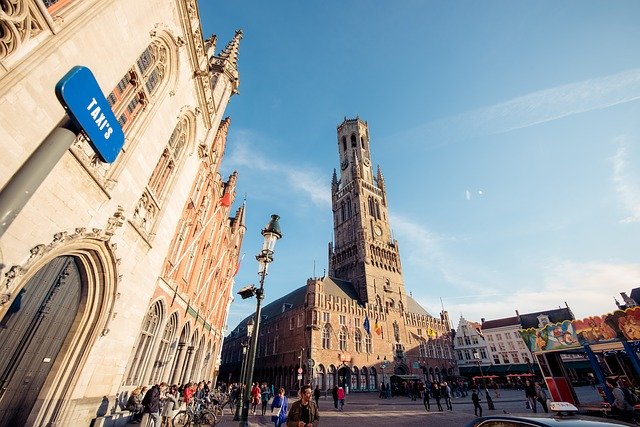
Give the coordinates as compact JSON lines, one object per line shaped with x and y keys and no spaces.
{"x":619,"y":325}
{"x":557,"y":336}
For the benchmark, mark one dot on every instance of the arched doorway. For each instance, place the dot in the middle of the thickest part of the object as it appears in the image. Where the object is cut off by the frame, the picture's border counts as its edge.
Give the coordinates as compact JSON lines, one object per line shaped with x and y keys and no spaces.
{"x":344,"y":377}
{"x":32,"y":334}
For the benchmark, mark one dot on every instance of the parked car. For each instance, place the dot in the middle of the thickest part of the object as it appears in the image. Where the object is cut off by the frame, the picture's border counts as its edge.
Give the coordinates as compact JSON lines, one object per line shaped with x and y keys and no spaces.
{"x":566,"y":415}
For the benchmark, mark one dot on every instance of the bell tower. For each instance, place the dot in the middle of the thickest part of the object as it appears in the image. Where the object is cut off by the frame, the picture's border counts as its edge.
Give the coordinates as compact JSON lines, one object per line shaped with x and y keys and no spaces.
{"x":363,"y":251}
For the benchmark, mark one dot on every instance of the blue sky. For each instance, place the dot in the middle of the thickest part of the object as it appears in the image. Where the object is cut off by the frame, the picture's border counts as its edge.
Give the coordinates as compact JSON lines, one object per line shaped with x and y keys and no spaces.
{"x":508,"y":133}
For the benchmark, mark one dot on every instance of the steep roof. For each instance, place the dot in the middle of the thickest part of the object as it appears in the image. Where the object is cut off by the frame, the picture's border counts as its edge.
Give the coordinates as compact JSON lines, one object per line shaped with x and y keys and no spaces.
{"x":414,"y":307}
{"x":530,"y":320}
{"x":500,"y":323}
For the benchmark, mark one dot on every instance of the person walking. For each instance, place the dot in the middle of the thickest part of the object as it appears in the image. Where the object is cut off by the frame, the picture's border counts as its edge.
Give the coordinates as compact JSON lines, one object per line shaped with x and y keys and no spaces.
{"x":281,"y":404}
{"x":151,"y":403}
{"x":446,"y":393}
{"x":316,"y":395}
{"x":170,"y":405}
{"x":340,"y":399}
{"x":437,"y":395}
{"x":541,"y":396}
{"x":383,"y":391}
{"x":475,"y":398}
{"x":530,"y":395}
{"x":264,"y":398}
{"x":255,"y":397}
{"x":303,"y":412}
{"x":426,"y":398}
{"x":334,"y":394}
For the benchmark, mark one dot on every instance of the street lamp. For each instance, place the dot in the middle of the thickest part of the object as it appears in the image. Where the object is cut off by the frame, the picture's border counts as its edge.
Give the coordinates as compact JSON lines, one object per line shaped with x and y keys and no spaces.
{"x":484,"y":382}
{"x":243,"y":371}
{"x":271,"y":233}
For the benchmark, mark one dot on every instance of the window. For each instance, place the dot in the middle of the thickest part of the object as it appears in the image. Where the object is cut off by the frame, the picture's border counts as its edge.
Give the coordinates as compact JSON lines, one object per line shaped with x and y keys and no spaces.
{"x":467,"y":340}
{"x":326,"y":337}
{"x":358,"y":341}
{"x":154,"y":195}
{"x":342,"y":339}
{"x":144,"y":345}
{"x":367,"y":344}
{"x":499,"y":337}
{"x":459,"y":352}
{"x":325,"y":317}
{"x":496,"y":359}
{"x":483,"y":353}
{"x":474,"y":339}
{"x":291,"y":323}
{"x":419,"y":332}
{"x":507,"y":335}
{"x":490,"y":338}
{"x":300,"y":319}
{"x":342,"y":320}
{"x":514,"y":357}
{"x":459,"y":340}
{"x":423,"y":349}
{"x":505,"y":358}
{"x":467,"y":355}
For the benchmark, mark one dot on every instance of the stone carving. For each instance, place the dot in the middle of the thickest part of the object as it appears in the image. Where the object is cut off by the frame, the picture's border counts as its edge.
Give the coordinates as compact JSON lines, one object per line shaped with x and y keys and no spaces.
{"x":115,"y":222}
{"x":20,"y":20}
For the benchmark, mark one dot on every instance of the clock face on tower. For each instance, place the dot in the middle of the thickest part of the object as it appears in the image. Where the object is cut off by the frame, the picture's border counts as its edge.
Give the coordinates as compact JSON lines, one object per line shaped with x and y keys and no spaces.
{"x":377,"y":230}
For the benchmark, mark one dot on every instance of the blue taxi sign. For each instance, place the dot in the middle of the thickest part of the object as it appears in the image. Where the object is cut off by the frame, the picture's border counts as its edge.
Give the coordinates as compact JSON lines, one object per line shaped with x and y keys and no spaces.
{"x":81,"y":96}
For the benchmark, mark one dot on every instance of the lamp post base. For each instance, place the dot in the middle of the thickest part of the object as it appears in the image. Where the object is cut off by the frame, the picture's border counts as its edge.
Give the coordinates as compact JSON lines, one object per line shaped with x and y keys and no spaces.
{"x":490,"y":405}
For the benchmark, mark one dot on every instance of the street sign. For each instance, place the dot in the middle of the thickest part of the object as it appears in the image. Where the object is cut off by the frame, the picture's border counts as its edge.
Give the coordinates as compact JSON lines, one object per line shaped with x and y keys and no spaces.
{"x":415,"y":365}
{"x":311,"y":363}
{"x":81,"y":96}
{"x":299,"y":370}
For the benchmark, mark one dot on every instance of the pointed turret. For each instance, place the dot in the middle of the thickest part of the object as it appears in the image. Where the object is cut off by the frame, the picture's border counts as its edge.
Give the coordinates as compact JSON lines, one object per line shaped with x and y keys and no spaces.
{"x":210,"y":46}
{"x":334,"y":181}
{"x":230,"y":52}
{"x":227,"y":62}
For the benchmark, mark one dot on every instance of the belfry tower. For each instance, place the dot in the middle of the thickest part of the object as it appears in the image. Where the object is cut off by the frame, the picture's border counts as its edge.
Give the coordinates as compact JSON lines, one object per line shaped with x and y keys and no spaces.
{"x":364,"y":251}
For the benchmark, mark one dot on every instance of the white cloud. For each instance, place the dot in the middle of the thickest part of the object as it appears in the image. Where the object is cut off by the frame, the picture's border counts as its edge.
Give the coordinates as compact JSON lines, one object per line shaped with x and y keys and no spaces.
{"x":534,"y":108}
{"x":626,"y":182}
{"x":307,"y":180}
{"x":588,"y":288}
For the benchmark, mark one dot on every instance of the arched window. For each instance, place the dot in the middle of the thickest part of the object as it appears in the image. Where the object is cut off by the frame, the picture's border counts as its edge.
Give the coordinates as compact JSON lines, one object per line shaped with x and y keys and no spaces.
{"x":364,"y":376}
{"x":358,"y":341}
{"x":344,"y":143}
{"x":150,"y":204}
{"x":353,"y":140}
{"x":331,"y":377}
{"x":355,"y":373}
{"x":423,"y":349}
{"x":377,"y":214}
{"x":342,"y":339}
{"x":139,"y":84}
{"x":373,"y":381}
{"x":367,"y":344}
{"x":362,"y":143}
{"x":320,"y":377}
{"x":145,"y":343}
{"x":166,"y":343}
{"x":326,"y":337}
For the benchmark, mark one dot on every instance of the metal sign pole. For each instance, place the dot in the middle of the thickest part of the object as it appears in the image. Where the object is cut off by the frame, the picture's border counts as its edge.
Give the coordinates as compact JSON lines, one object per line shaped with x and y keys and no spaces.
{"x":19,"y":189}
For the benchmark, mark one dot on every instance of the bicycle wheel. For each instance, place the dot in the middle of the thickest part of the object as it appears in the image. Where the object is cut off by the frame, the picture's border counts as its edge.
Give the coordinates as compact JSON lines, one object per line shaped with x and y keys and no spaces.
{"x":207,"y":418}
{"x":182,"y":419}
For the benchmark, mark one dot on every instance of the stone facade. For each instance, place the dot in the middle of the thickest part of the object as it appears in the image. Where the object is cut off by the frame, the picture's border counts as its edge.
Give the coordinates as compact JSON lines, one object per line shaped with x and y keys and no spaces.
{"x":104,"y":232}
{"x":357,"y":326}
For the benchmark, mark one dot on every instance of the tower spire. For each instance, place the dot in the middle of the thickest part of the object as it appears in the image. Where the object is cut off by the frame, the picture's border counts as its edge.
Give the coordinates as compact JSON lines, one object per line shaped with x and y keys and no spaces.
{"x":230,"y":52}
{"x":227,"y":62}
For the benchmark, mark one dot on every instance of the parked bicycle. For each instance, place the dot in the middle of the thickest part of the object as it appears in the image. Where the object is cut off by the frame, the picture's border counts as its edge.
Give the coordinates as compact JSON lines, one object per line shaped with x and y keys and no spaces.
{"x":195,"y":415}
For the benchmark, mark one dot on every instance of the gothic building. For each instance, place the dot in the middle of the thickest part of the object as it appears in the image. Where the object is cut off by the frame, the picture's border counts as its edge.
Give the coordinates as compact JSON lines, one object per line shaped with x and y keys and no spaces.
{"x":113,"y":275}
{"x":357,"y":326}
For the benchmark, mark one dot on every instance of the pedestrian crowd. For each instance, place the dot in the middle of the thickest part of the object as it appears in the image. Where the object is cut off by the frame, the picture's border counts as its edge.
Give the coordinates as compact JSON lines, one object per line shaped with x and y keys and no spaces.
{"x":161,"y":402}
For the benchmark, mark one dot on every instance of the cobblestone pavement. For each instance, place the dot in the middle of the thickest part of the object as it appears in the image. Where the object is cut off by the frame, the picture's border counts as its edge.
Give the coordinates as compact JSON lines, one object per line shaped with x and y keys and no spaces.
{"x":368,"y":410}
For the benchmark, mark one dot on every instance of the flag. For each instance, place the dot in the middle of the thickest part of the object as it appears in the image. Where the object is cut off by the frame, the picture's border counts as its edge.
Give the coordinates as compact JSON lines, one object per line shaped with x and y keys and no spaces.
{"x":367,"y":326}
{"x":225,"y":200}
{"x":378,"y":328}
{"x":432,"y":333}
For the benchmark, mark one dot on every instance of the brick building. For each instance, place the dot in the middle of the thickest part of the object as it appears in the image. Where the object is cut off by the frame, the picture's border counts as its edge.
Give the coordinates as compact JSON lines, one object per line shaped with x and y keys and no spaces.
{"x":357,"y":326}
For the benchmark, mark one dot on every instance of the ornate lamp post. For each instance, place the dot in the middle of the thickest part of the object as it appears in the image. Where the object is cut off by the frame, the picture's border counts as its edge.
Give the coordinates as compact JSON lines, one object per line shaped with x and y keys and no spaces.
{"x":484,"y":382}
{"x":243,"y":371}
{"x":271,"y":234}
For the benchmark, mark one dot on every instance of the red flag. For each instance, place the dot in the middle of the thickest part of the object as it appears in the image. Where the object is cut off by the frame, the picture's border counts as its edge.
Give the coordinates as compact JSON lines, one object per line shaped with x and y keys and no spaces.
{"x":378,"y":328}
{"x":225,"y":200}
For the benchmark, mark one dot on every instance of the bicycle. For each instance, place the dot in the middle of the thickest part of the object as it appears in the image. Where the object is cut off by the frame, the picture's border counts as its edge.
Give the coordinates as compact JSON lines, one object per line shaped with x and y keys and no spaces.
{"x":194,"y":415}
